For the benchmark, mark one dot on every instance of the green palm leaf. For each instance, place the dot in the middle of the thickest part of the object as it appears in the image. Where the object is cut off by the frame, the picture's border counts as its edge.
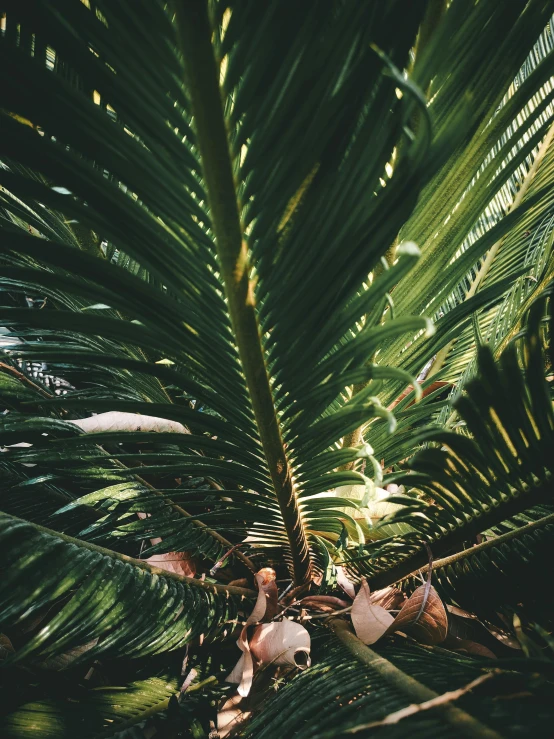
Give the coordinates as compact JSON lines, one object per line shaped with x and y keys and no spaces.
{"x":474,"y":483}
{"x":213,"y":309}
{"x":104,"y":712}
{"x":132,"y":608}
{"x":238,"y":217}
{"x":352,"y":685}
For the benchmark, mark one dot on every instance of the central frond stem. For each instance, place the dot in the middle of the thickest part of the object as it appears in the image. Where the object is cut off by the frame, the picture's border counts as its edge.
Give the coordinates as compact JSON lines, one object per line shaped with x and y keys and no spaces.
{"x":202,"y":71}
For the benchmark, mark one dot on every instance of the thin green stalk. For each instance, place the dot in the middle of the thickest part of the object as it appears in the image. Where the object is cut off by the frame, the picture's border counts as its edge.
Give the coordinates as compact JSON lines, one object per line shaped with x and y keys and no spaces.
{"x":195,"y":34}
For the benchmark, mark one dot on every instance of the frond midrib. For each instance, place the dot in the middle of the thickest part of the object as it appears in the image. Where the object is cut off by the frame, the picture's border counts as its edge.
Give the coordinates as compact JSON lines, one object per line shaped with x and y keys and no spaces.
{"x":225,"y":590}
{"x":455,"y":538}
{"x":194,"y":34}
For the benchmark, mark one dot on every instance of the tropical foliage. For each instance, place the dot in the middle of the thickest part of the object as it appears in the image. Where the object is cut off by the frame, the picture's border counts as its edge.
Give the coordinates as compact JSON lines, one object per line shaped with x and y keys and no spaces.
{"x":261,"y":264}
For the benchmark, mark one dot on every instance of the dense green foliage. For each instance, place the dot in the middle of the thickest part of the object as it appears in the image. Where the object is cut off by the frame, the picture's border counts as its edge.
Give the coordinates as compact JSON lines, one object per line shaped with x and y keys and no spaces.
{"x":232,"y":235}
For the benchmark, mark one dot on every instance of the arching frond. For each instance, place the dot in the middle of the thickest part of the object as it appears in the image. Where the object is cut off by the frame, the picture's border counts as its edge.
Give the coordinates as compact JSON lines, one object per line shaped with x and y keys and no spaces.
{"x":124,"y":605}
{"x":500,"y":467}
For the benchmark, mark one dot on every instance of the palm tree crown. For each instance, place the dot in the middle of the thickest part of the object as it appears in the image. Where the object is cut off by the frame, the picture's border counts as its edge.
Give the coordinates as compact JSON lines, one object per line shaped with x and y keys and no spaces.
{"x":259,"y":263}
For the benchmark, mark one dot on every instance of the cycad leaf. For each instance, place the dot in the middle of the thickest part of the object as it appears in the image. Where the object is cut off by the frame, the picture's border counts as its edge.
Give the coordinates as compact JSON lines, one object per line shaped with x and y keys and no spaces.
{"x":133,"y":609}
{"x":475,"y":483}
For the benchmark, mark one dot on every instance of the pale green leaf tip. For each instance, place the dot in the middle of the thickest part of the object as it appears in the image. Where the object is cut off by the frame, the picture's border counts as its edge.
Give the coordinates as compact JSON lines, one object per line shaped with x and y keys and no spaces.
{"x":408,"y":249}
{"x":429,"y":328}
{"x":366,"y":450}
{"x":97,"y":306}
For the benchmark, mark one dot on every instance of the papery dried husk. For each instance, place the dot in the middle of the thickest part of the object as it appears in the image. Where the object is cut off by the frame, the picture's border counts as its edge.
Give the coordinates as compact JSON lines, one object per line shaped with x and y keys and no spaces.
{"x":121,"y":421}
{"x":230,"y":716}
{"x":181,"y":563}
{"x":370,"y":621}
{"x":344,"y":583}
{"x":281,"y":643}
{"x":388,"y":598}
{"x":243,"y":672}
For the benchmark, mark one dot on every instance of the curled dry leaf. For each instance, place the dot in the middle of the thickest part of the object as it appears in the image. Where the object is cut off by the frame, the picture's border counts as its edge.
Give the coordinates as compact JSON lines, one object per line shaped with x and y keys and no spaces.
{"x":268,"y":586}
{"x":503,"y":637}
{"x":236,"y":674}
{"x":344,"y":583}
{"x":469,"y":647}
{"x":429,"y":626}
{"x":460,"y":612}
{"x":370,"y":621}
{"x":389,"y":598}
{"x":470,"y":629}
{"x":266,"y":603}
{"x":120,"y":421}
{"x":323,"y":603}
{"x":181,"y":563}
{"x":281,"y":643}
{"x":187,"y":682}
{"x":6,"y":647}
{"x":65,"y":660}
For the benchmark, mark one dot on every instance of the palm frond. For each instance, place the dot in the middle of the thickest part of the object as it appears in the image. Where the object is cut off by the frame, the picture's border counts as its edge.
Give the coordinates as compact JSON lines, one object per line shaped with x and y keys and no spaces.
{"x":138,"y":175}
{"x":500,"y":467}
{"x":103,"y":712}
{"x":528,"y":244}
{"x":352,"y":685}
{"x":195,"y":204}
{"x":132,"y":608}
{"x":481,"y":579}
{"x":472,"y":206}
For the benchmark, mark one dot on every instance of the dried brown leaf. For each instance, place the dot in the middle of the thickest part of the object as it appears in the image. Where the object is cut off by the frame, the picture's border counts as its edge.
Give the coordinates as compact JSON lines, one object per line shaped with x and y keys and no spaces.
{"x":323,"y":603}
{"x":460,"y":612}
{"x":503,"y":637}
{"x":266,"y":603}
{"x":230,"y":716}
{"x":344,"y":583}
{"x":469,"y":647}
{"x":181,"y":563}
{"x":388,"y":598}
{"x":120,"y":421}
{"x":370,"y":621}
{"x":473,"y":630}
{"x":429,"y":627}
